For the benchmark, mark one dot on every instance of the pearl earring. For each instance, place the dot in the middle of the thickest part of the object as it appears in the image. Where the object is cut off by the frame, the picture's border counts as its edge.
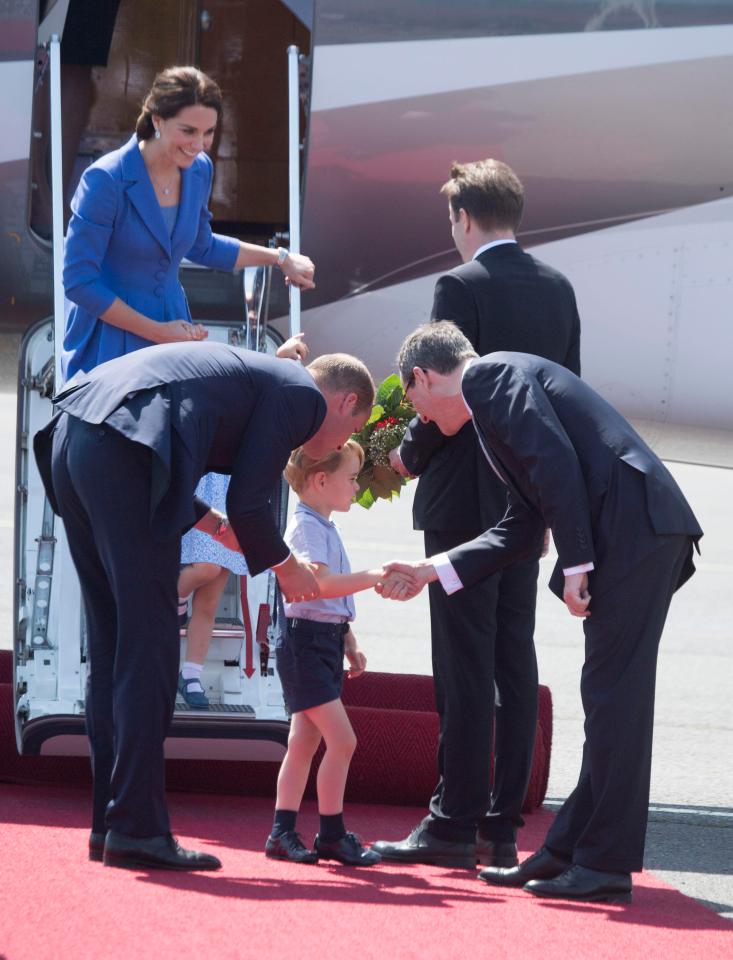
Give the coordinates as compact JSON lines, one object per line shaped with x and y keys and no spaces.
{"x":157,"y":134}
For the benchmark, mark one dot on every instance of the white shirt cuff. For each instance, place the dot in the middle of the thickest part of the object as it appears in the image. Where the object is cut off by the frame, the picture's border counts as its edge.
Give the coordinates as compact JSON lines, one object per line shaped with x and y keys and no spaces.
{"x":449,"y":579}
{"x":276,"y":565}
{"x":581,"y":568}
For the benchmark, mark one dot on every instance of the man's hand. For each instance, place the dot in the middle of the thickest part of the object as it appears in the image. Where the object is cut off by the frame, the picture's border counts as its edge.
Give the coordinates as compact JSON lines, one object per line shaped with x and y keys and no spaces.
{"x":395,"y":461}
{"x":576,"y":594}
{"x":546,"y":544}
{"x":299,"y":270}
{"x":395,"y":586}
{"x":297,"y":580}
{"x":228,"y":538}
{"x":404,"y":580}
{"x":293,"y":349}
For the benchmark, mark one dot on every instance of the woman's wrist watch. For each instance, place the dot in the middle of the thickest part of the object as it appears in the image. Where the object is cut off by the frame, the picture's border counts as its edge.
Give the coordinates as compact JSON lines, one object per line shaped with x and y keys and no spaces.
{"x":282,"y":255}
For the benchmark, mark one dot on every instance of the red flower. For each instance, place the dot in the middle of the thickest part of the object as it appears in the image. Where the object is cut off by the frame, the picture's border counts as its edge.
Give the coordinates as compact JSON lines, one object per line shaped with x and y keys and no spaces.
{"x":387,"y":422}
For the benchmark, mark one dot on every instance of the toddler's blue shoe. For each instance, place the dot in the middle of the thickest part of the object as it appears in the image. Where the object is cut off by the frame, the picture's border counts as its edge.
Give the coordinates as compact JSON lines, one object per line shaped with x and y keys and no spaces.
{"x":194,"y":698}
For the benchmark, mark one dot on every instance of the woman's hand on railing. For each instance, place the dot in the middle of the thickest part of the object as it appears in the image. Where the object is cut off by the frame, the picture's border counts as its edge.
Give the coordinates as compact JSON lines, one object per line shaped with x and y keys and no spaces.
{"x":299,"y":270}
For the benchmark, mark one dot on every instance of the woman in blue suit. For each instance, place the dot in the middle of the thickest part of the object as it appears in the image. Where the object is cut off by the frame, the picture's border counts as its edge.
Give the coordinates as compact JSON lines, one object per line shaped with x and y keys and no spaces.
{"x":137,"y":212}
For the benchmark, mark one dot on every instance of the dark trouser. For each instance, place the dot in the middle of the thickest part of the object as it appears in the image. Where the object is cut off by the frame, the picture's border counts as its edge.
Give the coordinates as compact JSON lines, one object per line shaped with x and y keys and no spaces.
{"x":482,"y":641}
{"x":602,"y":824}
{"x":128,"y":582}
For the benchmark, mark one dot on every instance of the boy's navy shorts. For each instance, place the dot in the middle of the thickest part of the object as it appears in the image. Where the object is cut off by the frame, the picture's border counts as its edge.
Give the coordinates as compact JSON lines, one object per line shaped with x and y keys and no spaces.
{"x":310,"y":661}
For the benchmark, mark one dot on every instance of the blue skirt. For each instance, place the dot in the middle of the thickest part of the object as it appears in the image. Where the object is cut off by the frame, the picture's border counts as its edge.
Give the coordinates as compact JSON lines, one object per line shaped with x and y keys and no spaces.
{"x":310,"y":662}
{"x":198,"y":547}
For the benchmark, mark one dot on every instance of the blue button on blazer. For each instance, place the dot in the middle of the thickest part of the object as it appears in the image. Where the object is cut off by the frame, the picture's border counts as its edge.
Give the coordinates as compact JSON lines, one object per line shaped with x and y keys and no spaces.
{"x":117,"y":245}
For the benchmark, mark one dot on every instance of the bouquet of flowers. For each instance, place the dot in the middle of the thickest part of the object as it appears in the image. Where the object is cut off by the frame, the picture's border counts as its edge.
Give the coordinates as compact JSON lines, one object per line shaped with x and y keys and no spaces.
{"x":383,"y":432}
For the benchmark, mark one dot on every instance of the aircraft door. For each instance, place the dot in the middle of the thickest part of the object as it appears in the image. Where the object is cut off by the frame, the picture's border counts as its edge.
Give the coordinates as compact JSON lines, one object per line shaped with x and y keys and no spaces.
{"x":242,"y":44}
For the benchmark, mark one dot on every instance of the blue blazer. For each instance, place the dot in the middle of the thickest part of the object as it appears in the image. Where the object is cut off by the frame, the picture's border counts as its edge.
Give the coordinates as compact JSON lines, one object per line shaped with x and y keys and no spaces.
{"x":117,"y":245}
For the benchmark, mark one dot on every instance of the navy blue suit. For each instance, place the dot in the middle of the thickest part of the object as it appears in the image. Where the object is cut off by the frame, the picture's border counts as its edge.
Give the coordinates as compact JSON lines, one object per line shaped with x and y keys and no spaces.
{"x":120,"y":463}
{"x":572,"y":463}
{"x":118,"y":246}
{"x":483,"y":637}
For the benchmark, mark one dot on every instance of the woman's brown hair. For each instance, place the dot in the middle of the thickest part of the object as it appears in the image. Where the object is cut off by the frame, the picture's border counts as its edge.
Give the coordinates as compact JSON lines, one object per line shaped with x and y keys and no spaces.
{"x":172,"y":90}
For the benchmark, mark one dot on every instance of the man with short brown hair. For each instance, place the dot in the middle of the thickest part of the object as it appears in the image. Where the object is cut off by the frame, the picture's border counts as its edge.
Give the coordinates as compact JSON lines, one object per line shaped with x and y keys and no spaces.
{"x":501,"y":298}
{"x":488,"y":191}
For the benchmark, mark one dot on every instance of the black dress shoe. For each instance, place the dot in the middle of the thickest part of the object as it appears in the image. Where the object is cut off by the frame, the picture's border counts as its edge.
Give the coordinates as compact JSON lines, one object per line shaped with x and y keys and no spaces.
{"x":422,"y":847}
{"x":582,"y":883}
{"x":542,"y":865}
{"x":496,"y":853}
{"x":96,"y":846}
{"x":160,"y":853}
{"x":289,"y":846}
{"x":348,"y":850}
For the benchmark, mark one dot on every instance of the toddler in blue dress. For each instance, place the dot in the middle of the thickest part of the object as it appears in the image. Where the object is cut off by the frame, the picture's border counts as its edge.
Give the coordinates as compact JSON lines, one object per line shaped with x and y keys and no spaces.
{"x":310,"y":659}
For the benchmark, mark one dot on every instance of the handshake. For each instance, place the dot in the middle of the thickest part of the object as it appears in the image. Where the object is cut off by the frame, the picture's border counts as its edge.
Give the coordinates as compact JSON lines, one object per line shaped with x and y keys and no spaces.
{"x":398,"y":580}
{"x":403,"y":580}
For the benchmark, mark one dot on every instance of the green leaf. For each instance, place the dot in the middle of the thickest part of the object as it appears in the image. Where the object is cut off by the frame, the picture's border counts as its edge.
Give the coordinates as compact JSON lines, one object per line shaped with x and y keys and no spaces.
{"x":377,"y":413}
{"x":391,"y":404}
{"x":365,"y":499}
{"x":387,"y":387}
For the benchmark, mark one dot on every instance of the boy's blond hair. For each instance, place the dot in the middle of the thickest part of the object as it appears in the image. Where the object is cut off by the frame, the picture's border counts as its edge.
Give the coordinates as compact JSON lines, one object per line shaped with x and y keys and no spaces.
{"x":301,"y":467}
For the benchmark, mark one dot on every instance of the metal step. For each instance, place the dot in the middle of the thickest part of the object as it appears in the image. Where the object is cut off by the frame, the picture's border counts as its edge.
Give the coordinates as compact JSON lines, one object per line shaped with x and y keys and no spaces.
{"x":183,"y":707}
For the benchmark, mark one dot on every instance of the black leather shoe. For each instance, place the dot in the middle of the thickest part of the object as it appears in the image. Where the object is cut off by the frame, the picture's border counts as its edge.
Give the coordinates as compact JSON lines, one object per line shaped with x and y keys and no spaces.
{"x":422,"y":847}
{"x":542,"y":865}
{"x":96,"y":846}
{"x":496,"y":853}
{"x":348,"y":850}
{"x":160,"y":853}
{"x":289,"y":846}
{"x":582,"y":883}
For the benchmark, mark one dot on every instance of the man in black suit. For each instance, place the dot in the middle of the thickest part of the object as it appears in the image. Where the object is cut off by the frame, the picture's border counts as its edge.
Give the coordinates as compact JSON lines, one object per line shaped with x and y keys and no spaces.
{"x":482,"y":638}
{"x":624,"y":535}
{"x":120,"y":463}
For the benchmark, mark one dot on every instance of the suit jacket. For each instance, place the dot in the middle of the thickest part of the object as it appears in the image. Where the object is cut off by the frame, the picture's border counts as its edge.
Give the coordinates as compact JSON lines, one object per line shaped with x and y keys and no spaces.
{"x":504,"y":300}
{"x":199,"y":407}
{"x":572,"y":463}
{"x":117,"y":245}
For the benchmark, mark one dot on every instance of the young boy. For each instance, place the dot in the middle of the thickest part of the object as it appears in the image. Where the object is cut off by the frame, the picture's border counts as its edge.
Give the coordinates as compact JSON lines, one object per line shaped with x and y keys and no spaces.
{"x":310,"y":661}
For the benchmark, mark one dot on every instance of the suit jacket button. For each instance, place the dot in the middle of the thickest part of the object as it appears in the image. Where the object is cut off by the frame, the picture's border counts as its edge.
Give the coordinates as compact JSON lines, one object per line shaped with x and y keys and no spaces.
{"x":158,"y":291}
{"x":160,"y":275}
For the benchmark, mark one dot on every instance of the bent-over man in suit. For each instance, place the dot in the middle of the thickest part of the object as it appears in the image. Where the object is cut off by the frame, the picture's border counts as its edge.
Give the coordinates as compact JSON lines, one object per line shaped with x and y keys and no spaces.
{"x":624,"y":535}
{"x":501,"y":298}
{"x":120,"y":463}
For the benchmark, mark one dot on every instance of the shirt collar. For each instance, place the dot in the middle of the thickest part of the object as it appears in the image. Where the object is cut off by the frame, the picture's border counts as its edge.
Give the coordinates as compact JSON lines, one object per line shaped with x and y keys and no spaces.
{"x":488,"y":246}
{"x":468,"y":364}
{"x":304,"y":508}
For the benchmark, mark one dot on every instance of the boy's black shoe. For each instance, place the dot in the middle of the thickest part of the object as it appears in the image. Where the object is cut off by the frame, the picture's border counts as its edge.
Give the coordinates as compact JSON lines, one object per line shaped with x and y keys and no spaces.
{"x":348,"y":850}
{"x":289,"y":846}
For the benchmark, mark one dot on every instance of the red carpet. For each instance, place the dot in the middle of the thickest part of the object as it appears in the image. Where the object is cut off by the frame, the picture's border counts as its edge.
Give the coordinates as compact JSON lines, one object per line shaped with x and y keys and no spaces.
{"x":55,"y":905}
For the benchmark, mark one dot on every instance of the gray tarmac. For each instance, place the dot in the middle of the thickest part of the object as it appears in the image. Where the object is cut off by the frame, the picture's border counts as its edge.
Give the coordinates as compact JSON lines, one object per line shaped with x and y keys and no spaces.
{"x":690,"y":836}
